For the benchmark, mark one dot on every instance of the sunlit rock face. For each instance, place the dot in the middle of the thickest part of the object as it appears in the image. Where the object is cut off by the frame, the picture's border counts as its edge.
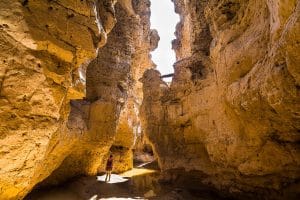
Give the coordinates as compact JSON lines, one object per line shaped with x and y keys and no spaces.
{"x":144,"y":40}
{"x":42,"y":46}
{"x":106,"y":121}
{"x":232,"y":110}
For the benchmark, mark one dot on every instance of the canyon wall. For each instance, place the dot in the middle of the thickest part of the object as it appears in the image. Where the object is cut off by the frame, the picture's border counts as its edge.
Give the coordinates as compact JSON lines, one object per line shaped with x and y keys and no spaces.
{"x":43,"y":47}
{"x":232,"y":110}
{"x":106,"y":121}
{"x":231,"y":113}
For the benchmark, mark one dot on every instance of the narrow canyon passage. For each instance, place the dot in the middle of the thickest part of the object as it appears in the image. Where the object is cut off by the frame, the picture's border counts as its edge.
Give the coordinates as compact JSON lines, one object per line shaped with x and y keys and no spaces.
{"x":80,"y":81}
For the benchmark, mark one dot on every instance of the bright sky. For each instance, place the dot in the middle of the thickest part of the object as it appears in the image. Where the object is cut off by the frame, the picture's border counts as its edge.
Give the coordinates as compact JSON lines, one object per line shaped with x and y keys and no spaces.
{"x":164,"y":20}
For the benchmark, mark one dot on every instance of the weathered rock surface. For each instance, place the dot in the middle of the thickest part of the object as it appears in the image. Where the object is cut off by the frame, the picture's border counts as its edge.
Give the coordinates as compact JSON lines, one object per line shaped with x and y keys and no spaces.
{"x":231,"y":114}
{"x":106,"y":121}
{"x":232,"y":110}
{"x":42,"y":46}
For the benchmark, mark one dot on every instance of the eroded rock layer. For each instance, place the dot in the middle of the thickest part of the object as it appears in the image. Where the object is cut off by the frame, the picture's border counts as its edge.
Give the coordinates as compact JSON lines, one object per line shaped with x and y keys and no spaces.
{"x":106,"y":121}
{"x":232,"y":110}
{"x":42,"y":46}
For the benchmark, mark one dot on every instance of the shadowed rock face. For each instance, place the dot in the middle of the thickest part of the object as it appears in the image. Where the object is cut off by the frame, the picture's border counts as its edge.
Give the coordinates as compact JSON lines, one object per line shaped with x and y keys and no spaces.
{"x":42,"y":45}
{"x":232,"y":110}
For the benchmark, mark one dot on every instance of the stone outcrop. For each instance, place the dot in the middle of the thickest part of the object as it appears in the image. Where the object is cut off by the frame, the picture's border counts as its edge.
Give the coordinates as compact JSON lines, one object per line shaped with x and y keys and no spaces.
{"x":106,"y":121}
{"x":232,"y":110}
{"x":144,"y":41}
{"x":43,"y":47}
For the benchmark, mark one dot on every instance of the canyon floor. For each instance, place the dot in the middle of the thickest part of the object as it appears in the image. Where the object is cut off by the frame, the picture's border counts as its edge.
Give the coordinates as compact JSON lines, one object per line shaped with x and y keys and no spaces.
{"x":141,"y":182}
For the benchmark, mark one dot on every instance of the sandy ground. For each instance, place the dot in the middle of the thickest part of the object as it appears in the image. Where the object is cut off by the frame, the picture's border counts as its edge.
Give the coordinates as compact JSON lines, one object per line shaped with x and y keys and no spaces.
{"x":139,"y":183}
{"x":123,"y":186}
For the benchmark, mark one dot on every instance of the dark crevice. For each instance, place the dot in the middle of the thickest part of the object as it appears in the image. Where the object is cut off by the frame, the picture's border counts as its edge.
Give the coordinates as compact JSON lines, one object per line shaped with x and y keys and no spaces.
{"x":25,"y":2}
{"x":198,"y":71}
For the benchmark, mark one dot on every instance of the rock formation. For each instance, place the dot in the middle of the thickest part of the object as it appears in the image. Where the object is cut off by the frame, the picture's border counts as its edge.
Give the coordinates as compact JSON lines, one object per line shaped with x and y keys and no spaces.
{"x":43,"y":44}
{"x":232,"y":110}
{"x":70,"y":95}
{"x":106,"y":120}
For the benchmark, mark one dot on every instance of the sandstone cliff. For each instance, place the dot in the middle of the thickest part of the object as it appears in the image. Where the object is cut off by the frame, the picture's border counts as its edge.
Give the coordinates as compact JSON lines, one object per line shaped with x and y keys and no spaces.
{"x":43,"y":46}
{"x":106,"y":120}
{"x":232,"y":110}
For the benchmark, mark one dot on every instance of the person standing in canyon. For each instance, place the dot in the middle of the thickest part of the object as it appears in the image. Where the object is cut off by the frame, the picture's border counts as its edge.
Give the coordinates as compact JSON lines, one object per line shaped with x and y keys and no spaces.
{"x":108,"y":168}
